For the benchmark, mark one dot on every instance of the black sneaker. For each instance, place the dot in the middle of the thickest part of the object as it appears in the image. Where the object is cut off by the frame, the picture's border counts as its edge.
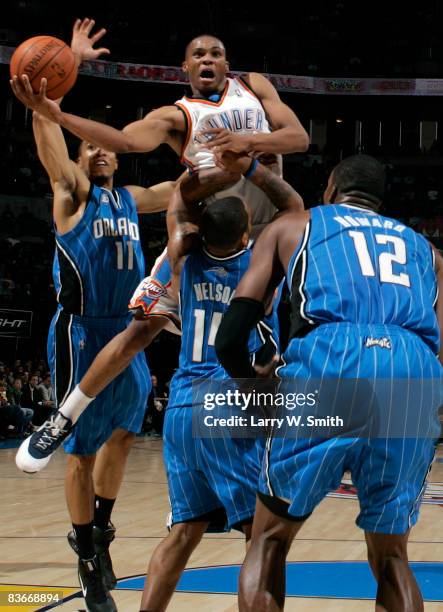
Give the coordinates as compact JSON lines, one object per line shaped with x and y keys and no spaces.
{"x":36,"y":451}
{"x":72,"y":541}
{"x":95,"y":594}
{"x":102,"y":540}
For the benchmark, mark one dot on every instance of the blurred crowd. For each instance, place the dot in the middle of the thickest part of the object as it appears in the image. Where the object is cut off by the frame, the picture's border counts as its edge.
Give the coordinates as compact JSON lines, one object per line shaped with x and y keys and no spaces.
{"x":26,"y":397}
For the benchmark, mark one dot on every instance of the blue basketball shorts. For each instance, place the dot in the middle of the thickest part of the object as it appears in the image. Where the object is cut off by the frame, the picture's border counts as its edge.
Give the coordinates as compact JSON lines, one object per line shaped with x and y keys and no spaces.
{"x":73,"y":343}
{"x":208,"y":474}
{"x":389,"y":472}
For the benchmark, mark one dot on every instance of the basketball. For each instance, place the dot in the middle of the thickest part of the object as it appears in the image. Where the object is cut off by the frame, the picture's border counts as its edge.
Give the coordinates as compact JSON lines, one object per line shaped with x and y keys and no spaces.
{"x":48,"y":57}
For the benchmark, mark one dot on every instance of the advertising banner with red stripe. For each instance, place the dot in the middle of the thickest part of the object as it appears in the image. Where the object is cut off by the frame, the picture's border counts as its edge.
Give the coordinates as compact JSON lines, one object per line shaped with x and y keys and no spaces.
{"x":150,"y":73}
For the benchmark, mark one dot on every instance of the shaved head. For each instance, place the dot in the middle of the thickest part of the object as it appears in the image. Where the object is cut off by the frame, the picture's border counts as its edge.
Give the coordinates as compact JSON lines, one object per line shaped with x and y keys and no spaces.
{"x":202,"y":41}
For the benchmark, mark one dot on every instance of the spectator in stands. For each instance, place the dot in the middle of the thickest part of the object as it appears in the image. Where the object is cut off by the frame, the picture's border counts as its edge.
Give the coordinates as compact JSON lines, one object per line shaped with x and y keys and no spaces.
{"x":12,"y":416}
{"x":47,"y":392}
{"x":32,"y":398}
{"x":155,"y":412}
{"x":431,"y":228}
{"x":15,"y":392}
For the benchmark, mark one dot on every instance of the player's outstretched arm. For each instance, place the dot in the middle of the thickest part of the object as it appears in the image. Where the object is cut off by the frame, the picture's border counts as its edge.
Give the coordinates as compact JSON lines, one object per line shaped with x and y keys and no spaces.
{"x":161,"y":126}
{"x":69,"y":184}
{"x":152,"y":199}
{"x":287,"y":136}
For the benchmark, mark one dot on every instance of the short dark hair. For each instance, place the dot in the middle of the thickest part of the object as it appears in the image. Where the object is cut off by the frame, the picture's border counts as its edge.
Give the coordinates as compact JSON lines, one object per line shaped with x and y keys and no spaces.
{"x":361,"y":173}
{"x":203,"y":36}
{"x":224,"y":222}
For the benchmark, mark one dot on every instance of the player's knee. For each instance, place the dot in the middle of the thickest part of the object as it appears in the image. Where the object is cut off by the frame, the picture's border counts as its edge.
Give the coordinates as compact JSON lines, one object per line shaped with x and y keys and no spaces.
{"x":80,"y":466}
{"x":121,"y":441}
{"x":392,"y":569}
{"x":388,"y":561}
{"x":185,"y":536}
{"x":384,"y":546}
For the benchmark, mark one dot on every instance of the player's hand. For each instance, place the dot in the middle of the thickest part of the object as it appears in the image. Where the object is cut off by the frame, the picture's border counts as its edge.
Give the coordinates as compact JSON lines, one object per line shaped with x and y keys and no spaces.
{"x":236,"y":163}
{"x":38,"y":102}
{"x":221,"y":140}
{"x":82,"y":43}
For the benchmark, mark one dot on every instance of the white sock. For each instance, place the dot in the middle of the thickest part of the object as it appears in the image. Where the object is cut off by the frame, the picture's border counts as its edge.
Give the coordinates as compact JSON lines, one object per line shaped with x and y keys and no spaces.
{"x":75,"y":404}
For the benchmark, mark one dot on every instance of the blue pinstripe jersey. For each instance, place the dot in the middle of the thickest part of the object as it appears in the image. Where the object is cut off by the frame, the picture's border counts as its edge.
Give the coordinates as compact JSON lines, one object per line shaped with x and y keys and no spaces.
{"x":99,"y":263}
{"x":207,"y":286}
{"x":356,"y":266}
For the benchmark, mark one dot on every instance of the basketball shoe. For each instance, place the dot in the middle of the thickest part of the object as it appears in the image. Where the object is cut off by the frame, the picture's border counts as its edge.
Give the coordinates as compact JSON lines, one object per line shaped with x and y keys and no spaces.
{"x":102,"y":540}
{"x":35,"y":452}
{"x":95,"y":594}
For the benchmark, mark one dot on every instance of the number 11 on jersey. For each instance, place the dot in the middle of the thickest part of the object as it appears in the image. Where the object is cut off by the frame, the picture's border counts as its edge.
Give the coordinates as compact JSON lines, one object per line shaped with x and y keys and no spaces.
{"x":199,"y":332}
{"x":119,"y":245}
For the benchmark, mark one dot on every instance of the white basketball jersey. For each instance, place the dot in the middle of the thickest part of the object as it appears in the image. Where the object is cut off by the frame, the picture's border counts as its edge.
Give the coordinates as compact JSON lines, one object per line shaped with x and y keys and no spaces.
{"x":238,"y":110}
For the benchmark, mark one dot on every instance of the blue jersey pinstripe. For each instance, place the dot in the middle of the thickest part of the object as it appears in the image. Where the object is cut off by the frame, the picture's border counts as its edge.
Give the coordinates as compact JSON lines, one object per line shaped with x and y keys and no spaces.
{"x":208,"y":284}
{"x":363,"y":290}
{"x":207,"y":474}
{"x":99,"y":263}
{"x":356,"y":266}
{"x":97,"y":266}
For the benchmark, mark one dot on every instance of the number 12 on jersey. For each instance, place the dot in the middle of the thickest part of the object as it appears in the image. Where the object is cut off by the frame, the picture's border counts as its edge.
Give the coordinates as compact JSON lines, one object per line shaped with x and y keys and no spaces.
{"x":386,"y":260}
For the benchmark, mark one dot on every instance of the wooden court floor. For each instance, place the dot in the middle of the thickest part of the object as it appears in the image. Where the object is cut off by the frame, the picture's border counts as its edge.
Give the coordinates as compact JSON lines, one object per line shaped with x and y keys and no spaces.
{"x":34,"y":524}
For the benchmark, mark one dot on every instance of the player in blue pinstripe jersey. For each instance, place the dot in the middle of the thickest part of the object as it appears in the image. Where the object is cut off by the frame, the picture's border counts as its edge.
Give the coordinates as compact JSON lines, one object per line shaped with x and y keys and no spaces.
{"x":98,"y":264}
{"x":212,"y":481}
{"x":363,"y":291}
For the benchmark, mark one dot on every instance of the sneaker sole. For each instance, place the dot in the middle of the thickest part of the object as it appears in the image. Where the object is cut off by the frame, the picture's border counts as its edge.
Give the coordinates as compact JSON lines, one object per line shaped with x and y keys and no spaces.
{"x":26,"y":462}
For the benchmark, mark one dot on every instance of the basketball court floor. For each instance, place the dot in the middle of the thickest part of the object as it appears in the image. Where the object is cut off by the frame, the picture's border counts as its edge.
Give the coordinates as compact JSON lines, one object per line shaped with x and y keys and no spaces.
{"x":326,"y":570}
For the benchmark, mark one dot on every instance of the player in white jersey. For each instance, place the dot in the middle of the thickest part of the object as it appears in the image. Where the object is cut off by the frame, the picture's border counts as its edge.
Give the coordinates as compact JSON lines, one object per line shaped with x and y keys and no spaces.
{"x":237,"y":109}
{"x":241,"y":115}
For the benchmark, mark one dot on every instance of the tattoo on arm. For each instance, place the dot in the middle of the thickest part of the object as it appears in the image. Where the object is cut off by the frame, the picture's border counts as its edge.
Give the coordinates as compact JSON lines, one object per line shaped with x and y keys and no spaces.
{"x":281,"y":194}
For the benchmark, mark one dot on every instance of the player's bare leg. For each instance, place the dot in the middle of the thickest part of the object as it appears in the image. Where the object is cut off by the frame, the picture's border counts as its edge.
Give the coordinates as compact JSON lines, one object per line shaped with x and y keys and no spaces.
{"x":79,"y":491}
{"x":118,"y":354}
{"x":168,"y":562}
{"x":263,"y":576}
{"x":397,"y":588}
{"x":79,"y":488}
{"x":107,"y":476}
{"x":110,"y":464}
{"x":247,"y":530}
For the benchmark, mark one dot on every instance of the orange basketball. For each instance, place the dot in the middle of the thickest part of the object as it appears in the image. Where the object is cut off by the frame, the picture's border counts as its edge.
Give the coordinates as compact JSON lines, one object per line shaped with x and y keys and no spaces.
{"x":49,"y":57}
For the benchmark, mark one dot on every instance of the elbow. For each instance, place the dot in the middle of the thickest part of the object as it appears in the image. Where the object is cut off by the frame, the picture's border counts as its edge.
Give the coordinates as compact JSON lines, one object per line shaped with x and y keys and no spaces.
{"x":124,"y":147}
{"x":303,"y":142}
{"x":123,"y":142}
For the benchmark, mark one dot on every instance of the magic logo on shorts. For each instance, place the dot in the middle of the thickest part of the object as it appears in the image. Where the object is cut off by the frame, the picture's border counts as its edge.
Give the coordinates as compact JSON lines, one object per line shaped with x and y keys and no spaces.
{"x":380,"y":342}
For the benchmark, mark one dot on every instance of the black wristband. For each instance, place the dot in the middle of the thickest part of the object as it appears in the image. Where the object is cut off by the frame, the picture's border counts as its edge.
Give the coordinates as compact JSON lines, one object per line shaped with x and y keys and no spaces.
{"x":231,"y":343}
